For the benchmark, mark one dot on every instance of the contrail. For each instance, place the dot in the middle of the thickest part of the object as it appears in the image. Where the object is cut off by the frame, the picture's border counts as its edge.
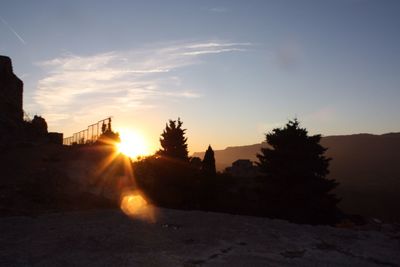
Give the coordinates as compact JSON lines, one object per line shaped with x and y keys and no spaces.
{"x":13,"y":31}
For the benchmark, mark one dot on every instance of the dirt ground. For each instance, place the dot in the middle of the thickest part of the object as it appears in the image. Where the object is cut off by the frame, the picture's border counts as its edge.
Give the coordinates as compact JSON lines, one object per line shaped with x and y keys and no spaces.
{"x":188,"y":238}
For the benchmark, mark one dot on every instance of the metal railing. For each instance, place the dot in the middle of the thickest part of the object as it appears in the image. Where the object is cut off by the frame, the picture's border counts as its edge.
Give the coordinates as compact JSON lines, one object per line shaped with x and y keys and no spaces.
{"x":89,"y":135}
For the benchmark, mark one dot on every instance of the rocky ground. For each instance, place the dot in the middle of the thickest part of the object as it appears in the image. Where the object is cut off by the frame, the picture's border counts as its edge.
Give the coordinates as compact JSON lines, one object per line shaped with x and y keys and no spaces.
{"x":188,"y":238}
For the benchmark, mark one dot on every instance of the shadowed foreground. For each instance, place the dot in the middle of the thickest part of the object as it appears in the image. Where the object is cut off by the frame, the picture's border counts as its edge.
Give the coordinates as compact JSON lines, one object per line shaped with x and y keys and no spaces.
{"x":188,"y":238}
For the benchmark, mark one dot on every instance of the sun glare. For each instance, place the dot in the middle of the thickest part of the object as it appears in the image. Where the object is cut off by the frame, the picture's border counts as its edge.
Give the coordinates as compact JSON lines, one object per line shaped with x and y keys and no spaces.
{"x":132,"y":144}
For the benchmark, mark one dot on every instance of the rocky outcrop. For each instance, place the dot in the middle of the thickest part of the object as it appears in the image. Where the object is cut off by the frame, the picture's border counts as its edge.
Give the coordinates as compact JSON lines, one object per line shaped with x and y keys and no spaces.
{"x":11,"y":89}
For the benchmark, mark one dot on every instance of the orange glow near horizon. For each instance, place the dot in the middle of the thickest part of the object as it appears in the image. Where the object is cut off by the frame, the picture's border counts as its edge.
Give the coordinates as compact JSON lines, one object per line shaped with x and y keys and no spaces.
{"x":132,"y":144}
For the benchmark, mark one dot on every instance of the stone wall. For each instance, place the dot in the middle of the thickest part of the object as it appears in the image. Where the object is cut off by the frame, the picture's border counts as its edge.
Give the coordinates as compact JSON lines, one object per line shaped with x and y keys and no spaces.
{"x":11,"y":89}
{"x":13,"y":128}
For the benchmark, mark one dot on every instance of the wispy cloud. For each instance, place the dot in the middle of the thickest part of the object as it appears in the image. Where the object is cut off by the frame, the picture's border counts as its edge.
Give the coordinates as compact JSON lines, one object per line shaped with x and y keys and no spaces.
{"x":214,"y":51}
{"x":76,"y":87}
{"x":213,"y":45}
{"x":12,"y":30}
{"x":213,"y":48}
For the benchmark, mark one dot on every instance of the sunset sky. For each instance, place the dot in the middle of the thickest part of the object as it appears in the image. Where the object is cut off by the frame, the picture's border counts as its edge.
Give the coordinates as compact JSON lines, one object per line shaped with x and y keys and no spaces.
{"x":231,"y":70}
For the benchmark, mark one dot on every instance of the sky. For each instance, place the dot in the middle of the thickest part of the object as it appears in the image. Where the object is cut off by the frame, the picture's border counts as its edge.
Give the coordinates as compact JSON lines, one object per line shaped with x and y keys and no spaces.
{"x":231,"y":70}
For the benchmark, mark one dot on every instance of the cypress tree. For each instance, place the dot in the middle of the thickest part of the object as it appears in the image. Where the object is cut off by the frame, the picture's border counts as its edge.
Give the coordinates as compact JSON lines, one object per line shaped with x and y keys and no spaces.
{"x":208,"y":163}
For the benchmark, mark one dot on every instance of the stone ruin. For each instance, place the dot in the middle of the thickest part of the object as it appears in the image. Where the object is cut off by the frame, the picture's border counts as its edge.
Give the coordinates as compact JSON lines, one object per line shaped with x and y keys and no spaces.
{"x":13,"y":128}
{"x":11,"y":90}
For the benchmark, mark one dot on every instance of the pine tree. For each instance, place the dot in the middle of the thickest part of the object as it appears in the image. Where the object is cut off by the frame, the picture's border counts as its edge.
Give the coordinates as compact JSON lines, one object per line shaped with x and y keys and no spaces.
{"x":173,"y":141}
{"x":297,"y":164}
{"x":208,"y":163}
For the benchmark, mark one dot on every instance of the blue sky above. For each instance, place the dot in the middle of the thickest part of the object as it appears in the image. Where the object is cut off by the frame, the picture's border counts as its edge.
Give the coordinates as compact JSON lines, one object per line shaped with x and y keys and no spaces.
{"x":232,"y":70}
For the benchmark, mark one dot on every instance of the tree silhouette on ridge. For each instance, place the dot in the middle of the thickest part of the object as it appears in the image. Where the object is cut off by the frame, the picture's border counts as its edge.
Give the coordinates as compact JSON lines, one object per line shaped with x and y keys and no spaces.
{"x":208,"y":163}
{"x":296,"y":164}
{"x":173,"y":141}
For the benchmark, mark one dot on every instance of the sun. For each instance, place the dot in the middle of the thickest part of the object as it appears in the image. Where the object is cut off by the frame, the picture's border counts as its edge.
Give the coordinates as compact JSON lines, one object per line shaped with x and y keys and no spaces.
{"x":132,"y":144}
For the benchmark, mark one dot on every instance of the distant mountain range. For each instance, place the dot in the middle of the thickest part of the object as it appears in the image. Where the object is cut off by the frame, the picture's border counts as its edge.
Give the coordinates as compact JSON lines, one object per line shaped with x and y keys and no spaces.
{"x":366,"y":165}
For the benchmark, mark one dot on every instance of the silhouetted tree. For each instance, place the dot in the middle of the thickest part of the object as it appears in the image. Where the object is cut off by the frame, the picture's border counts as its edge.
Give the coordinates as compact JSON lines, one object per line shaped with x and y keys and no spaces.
{"x":208,"y":163}
{"x":196,"y":163}
{"x":173,"y":141}
{"x":296,"y":165}
{"x":168,"y":183}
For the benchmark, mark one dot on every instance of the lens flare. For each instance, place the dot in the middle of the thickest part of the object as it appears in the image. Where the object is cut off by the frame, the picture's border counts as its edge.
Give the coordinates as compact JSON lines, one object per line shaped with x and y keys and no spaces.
{"x":135,"y":205}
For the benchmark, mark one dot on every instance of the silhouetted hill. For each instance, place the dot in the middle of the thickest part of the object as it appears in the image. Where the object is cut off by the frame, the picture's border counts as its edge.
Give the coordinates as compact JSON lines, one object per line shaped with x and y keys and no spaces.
{"x":224,"y":158}
{"x":366,"y":166}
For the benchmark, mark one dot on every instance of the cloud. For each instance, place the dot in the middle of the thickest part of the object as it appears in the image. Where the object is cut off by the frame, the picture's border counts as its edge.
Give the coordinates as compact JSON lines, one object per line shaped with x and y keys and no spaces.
{"x":213,"y":45}
{"x":75,"y":87}
{"x":214,"y":51}
{"x":213,"y":48}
